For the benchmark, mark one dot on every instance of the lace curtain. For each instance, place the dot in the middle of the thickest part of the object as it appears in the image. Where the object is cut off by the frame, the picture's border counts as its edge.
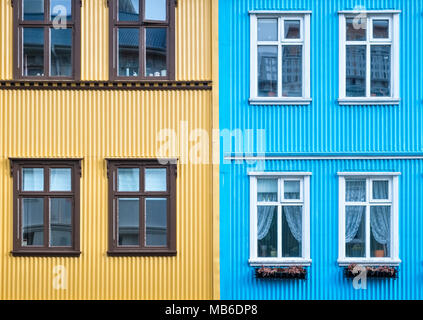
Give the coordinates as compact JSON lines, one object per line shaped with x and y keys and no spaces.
{"x":353,"y":215}
{"x":294,"y":218}
{"x":380,"y":218}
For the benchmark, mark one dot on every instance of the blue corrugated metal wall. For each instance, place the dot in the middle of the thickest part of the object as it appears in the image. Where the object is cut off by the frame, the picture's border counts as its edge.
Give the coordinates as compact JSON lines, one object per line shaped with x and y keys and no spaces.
{"x":323,"y":127}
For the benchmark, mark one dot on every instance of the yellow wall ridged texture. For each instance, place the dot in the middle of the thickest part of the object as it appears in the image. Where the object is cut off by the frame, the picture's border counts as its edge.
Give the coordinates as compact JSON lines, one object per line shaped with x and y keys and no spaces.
{"x":97,"y":124}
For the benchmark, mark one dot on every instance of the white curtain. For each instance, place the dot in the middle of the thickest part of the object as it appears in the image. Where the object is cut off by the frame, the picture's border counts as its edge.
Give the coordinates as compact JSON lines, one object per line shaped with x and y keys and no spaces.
{"x":353,"y":215}
{"x":264,"y":221}
{"x":294,"y":218}
{"x":380,"y":218}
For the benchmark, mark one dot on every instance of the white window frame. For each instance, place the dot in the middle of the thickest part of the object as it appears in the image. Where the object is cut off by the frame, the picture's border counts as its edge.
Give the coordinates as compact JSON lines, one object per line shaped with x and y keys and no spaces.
{"x":392,"y":177}
{"x":304,"y":177}
{"x":304,"y":17}
{"x":393,"y":41}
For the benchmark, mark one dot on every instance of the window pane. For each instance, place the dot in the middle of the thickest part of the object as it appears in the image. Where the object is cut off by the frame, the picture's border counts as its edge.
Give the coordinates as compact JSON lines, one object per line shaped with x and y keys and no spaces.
{"x":267,"y":71}
{"x":292,"y":29}
{"x":129,"y":10}
{"x":355,"y":190}
{"x":129,"y":179}
{"x":156,"y":52}
{"x":128,"y":52}
{"x":33,"y":52}
{"x":267,"y":231}
{"x":380,"y":29}
{"x":267,"y":29}
{"x":33,"y":9}
{"x":33,"y":222}
{"x":61,"y":179}
{"x":61,"y":52}
{"x":356,"y":29}
{"x":355,"y":231}
{"x":155,"y":10}
{"x":380,"y":226}
{"x":292,"y":231}
{"x":292,"y":71}
{"x":61,"y":9}
{"x":155,"y":180}
{"x":155,"y":222}
{"x":380,"y":190}
{"x":356,"y":71}
{"x":33,"y":179}
{"x":292,"y":189}
{"x":267,"y":190}
{"x":381,"y":71}
{"x":60,"y":222}
{"x":129,"y":221}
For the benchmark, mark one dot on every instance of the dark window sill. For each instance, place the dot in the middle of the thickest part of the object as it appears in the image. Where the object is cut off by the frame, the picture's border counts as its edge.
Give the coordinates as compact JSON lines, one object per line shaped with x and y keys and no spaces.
{"x":49,"y":253}
{"x":143,"y":253}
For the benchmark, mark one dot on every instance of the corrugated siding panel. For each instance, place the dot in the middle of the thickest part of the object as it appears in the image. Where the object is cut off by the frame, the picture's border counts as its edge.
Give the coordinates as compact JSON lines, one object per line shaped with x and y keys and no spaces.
{"x":323,"y":126}
{"x":325,"y":277}
{"x":193,"y":40}
{"x":95,"y":125}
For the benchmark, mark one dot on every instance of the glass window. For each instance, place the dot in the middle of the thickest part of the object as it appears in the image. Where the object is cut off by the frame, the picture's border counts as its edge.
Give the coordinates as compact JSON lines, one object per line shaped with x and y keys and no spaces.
{"x":61,"y":52}
{"x":129,"y":10}
{"x":355,"y":231}
{"x":292,"y":71}
{"x":356,"y":71}
{"x":380,"y":190}
{"x":129,"y":46}
{"x":355,"y":190}
{"x":61,"y":9}
{"x":33,"y":179}
{"x":356,"y":29}
{"x":267,"y":231}
{"x":61,"y":179}
{"x":155,"y":10}
{"x":155,"y":52}
{"x":380,"y":29}
{"x":380,"y":225}
{"x":380,"y":71}
{"x":144,"y":222}
{"x":267,"y":190}
{"x":292,"y":231}
{"x":60,"y":222}
{"x":292,"y":190}
{"x":155,"y":222}
{"x":155,"y":180}
{"x":33,"y":10}
{"x":292,"y":29}
{"x":33,"y":51}
{"x":267,"y":29}
{"x":32,"y":222}
{"x":129,"y":179}
{"x":267,"y":71}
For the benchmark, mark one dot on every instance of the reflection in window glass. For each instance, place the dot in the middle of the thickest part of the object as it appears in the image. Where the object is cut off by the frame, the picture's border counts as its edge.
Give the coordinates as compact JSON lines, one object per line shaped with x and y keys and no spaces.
{"x":267,"y":190}
{"x":61,"y":9}
{"x":60,"y":179}
{"x":356,"y":29}
{"x":356,"y":71}
{"x":380,"y":190}
{"x":267,"y":71}
{"x":33,"y":179}
{"x":61,"y":52}
{"x":292,"y":29}
{"x":155,"y":222}
{"x":129,"y":179}
{"x":292,"y":190}
{"x":355,"y":190}
{"x":267,"y":231}
{"x":292,"y":231}
{"x":380,"y":71}
{"x":292,"y":67}
{"x":33,"y":222}
{"x":155,"y":10}
{"x":380,"y":29}
{"x":129,"y":10}
{"x":60,"y":222}
{"x":33,"y":52}
{"x":155,"y":180}
{"x":33,"y":10}
{"x":128,"y":62}
{"x":128,"y":221}
{"x":156,"y":52}
{"x":355,"y":231}
{"x":380,"y":226}
{"x":267,"y":30}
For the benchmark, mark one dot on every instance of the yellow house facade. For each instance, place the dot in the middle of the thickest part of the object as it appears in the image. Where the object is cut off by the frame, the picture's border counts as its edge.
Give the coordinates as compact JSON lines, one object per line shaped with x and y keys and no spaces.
{"x":94,"y":119}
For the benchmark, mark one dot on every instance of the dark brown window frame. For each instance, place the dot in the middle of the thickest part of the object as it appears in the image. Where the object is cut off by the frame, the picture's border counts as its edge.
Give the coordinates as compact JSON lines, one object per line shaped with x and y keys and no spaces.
{"x":142,"y":250}
{"x":17,"y":164}
{"x":114,"y":24}
{"x":19,"y":23}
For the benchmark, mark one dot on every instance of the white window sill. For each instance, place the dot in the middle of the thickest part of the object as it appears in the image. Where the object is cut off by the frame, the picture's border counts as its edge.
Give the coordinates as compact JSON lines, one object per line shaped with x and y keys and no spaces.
{"x":270,"y":262}
{"x":279,"y":101}
{"x":368,"y":101}
{"x":370,"y":262}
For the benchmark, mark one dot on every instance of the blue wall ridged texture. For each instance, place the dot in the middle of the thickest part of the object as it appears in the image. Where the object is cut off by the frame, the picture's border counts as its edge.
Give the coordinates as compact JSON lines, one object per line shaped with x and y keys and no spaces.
{"x":323,"y":127}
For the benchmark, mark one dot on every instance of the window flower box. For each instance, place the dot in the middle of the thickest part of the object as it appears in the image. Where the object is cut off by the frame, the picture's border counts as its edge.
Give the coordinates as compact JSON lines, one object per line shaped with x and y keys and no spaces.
{"x":293,"y":272}
{"x":373,"y":272}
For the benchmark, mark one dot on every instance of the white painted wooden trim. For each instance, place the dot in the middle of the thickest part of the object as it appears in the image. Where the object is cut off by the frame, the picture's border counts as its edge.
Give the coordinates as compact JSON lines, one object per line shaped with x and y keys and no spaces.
{"x":368,"y":101}
{"x":280,"y":174}
{"x":279,"y":12}
{"x":294,"y":158}
{"x":369,"y":174}
{"x":279,"y":262}
{"x":369,"y":11}
{"x":279,"y":101}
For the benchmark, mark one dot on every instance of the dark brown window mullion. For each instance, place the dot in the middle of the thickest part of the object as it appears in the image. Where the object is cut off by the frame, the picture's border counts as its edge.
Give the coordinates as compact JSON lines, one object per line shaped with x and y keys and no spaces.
{"x":142,"y":58}
{"x":46,"y":207}
{"x":142,"y":223}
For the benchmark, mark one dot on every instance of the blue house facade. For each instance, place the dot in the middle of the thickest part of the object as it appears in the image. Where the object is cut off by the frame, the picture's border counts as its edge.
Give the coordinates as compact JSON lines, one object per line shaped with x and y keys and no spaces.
{"x":322,"y":149}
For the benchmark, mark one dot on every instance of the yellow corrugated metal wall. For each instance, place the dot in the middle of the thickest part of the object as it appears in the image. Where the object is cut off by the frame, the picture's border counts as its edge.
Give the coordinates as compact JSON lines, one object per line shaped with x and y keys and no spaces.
{"x":97,"y":124}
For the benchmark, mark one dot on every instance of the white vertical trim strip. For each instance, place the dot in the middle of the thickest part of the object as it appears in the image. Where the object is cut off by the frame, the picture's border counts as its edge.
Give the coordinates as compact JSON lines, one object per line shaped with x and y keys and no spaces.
{"x":342,"y":58}
{"x":253,"y":217}
{"x":253,"y":56}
